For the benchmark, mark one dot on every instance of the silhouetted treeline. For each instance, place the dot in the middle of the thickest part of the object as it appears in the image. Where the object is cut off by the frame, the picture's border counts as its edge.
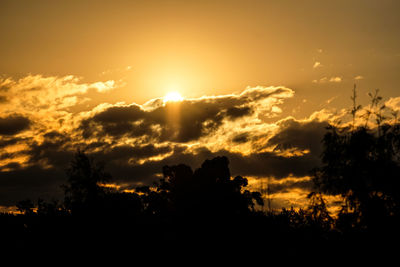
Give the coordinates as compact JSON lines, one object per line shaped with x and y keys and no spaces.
{"x":208,"y":206}
{"x":202,"y":206}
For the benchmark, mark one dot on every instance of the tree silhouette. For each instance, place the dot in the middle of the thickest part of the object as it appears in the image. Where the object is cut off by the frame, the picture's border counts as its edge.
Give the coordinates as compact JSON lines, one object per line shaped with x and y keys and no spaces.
{"x":317,"y":213}
{"x":362,"y":164}
{"x":83,"y":192}
{"x":208,"y":191}
{"x":26,"y":206}
{"x":207,"y":202}
{"x":51,"y":209}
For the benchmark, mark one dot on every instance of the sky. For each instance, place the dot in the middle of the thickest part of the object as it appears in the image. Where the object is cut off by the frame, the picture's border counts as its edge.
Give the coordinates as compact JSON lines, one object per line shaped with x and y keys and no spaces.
{"x":256,"y":81}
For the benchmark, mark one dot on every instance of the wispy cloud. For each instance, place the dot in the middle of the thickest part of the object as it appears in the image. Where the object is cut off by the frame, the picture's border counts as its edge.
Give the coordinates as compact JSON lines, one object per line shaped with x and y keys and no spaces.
{"x":330,"y":100}
{"x":322,"y":80}
{"x":336,"y":79}
{"x":317,"y":64}
{"x":116,"y":71}
{"x":333,"y":79}
{"x":13,"y":124}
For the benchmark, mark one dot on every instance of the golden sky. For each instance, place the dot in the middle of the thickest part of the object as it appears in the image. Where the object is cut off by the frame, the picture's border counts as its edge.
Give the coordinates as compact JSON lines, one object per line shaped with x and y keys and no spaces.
{"x":259,"y":80}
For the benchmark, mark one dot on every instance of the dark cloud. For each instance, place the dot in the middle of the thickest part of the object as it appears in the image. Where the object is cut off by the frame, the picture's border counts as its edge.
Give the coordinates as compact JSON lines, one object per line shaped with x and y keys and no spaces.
{"x":129,"y":155}
{"x":50,"y":154}
{"x":269,"y":164}
{"x":123,"y":162}
{"x":31,"y":182}
{"x":241,"y":138}
{"x":237,"y":112}
{"x":44,"y":173}
{"x":13,"y":124}
{"x":180,"y":122}
{"x":3,"y":99}
{"x":116,"y":122}
{"x":301,"y":135}
{"x":183,"y":121}
{"x":120,"y":114}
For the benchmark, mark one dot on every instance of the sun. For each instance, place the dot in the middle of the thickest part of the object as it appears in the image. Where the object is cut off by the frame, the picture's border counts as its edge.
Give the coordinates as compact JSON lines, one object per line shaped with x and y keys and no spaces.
{"x":173,"y":97}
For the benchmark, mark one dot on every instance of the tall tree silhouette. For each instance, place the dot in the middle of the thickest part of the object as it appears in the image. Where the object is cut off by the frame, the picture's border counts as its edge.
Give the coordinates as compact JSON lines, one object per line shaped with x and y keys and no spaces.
{"x":208,"y":191}
{"x":83,"y":192}
{"x":207,"y":204}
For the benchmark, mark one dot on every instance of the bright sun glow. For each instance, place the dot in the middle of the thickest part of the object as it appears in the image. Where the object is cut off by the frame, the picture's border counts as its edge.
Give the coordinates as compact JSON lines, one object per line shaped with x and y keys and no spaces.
{"x":173,"y":97}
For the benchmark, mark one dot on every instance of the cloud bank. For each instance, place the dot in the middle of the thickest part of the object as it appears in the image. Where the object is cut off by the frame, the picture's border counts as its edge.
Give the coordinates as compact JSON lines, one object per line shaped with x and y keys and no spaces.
{"x":39,"y":135}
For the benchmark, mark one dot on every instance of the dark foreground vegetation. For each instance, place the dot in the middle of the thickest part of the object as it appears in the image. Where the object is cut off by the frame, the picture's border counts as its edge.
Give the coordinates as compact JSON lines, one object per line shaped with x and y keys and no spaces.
{"x":208,"y":206}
